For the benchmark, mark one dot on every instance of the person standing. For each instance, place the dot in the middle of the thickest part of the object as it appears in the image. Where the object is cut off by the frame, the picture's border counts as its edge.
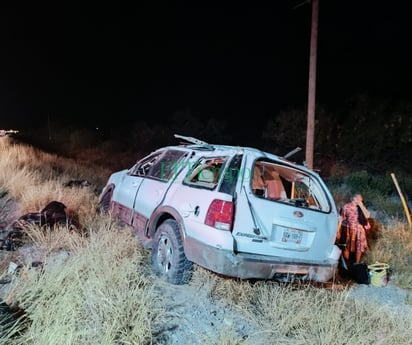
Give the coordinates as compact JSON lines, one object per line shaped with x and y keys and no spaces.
{"x":354,"y":225}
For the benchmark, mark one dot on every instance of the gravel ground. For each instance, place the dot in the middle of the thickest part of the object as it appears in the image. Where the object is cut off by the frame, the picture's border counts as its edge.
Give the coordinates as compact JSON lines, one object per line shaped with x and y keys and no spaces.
{"x":390,"y":296}
{"x":198,"y":319}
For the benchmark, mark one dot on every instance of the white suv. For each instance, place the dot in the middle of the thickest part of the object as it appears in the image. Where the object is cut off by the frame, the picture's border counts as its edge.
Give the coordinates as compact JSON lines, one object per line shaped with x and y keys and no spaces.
{"x":236,"y":211}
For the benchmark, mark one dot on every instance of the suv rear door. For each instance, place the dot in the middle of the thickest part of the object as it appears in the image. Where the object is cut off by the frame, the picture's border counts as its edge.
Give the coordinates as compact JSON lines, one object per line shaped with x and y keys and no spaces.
{"x":198,"y":189}
{"x":283,"y":211}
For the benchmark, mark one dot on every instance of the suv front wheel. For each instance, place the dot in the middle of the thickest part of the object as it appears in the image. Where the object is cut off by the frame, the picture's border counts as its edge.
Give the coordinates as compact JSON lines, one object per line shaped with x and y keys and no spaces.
{"x":168,"y":256}
{"x":104,"y":203}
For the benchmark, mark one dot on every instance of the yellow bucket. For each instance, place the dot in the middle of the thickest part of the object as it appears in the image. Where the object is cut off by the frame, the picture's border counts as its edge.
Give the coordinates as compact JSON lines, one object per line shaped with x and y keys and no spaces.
{"x":378,"y":273}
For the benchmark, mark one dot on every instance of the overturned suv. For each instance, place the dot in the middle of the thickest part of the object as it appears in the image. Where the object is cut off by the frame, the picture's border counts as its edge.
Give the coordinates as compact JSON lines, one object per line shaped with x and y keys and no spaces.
{"x":236,"y":211}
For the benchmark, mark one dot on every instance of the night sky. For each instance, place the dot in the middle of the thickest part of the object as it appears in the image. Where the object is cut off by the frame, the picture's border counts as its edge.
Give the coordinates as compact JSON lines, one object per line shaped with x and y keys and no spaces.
{"x":130,"y":62}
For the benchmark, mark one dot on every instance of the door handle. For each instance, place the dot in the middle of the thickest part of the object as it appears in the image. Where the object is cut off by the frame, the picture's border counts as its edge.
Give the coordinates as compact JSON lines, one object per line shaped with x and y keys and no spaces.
{"x":195,"y":211}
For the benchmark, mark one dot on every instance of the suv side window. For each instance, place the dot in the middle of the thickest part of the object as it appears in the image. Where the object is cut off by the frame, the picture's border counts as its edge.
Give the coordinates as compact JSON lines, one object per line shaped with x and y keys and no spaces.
{"x":161,"y":165}
{"x":206,"y":172}
{"x":142,"y":167}
{"x":168,"y":165}
{"x":231,"y":175}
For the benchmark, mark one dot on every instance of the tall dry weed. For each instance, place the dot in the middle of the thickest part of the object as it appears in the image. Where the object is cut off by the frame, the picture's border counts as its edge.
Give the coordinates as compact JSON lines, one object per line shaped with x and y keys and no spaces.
{"x":308,"y":315}
{"x":95,"y":294}
{"x":394,"y":247}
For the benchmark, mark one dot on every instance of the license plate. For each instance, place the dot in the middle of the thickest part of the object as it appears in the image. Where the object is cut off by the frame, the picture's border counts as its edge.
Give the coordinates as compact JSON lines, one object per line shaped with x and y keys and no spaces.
{"x":292,"y":236}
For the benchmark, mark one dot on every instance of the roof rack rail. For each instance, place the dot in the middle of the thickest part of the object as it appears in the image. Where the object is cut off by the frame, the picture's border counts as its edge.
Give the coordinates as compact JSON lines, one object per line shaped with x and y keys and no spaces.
{"x":197,"y":142}
{"x":291,"y":153}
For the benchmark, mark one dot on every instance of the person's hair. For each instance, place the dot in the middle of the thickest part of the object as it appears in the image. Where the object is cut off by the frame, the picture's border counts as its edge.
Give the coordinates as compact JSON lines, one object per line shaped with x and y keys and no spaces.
{"x":355,"y":196}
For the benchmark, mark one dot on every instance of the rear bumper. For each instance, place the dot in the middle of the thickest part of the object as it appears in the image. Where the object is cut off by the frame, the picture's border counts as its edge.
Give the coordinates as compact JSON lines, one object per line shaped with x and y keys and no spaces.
{"x":252,"y":266}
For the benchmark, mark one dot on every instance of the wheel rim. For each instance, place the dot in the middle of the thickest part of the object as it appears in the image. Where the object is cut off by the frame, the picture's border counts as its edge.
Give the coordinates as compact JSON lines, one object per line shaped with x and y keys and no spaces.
{"x":164,"y":254}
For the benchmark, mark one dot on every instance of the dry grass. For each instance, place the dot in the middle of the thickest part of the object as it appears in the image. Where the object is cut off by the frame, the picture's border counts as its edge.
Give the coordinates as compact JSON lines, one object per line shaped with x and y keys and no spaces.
{"x":394,"y":246}
{"x":319,"y":316}
{"x":290,"y":314}
{"x":94,"y":286}
{"x":34,"y":178}
{"x":91,"y":289}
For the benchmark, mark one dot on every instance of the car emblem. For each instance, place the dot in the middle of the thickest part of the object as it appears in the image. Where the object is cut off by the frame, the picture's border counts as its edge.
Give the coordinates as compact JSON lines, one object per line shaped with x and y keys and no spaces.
{"x":298,"y":214}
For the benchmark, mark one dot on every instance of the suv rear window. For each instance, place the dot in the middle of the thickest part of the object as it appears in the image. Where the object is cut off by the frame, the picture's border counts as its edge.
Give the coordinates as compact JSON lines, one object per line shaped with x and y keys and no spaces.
{"x":280,"y":183}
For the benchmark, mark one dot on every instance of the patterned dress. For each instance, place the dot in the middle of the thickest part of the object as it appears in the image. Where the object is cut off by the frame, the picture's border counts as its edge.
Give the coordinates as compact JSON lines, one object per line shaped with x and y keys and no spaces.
{"x":355,"y":234}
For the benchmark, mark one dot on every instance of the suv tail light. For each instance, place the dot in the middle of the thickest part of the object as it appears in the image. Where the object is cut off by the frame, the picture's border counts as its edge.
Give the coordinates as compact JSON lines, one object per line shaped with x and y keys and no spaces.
{"x":220,"y":215}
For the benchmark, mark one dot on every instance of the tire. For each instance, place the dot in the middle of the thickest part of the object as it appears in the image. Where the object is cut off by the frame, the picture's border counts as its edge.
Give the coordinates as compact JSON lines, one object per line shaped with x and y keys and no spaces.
{"x":105,"y":201}
{"x":168,"y":257}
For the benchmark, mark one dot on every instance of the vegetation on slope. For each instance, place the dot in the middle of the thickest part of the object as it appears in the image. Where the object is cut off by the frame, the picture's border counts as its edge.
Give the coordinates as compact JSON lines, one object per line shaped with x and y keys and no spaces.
{"x":95,"y":286}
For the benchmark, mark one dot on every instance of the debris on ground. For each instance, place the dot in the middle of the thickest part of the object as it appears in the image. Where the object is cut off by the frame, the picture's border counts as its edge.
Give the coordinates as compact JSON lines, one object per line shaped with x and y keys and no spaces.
{"x":77,"y":183}
{"x":54,"y":213}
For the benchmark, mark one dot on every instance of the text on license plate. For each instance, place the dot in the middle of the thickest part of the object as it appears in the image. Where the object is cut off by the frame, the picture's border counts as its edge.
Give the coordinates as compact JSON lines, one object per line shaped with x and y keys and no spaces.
{"x":292,"y":236}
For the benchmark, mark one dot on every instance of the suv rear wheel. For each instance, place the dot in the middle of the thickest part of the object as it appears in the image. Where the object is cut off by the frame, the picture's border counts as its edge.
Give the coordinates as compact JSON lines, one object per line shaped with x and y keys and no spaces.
{"x":168,"y":257}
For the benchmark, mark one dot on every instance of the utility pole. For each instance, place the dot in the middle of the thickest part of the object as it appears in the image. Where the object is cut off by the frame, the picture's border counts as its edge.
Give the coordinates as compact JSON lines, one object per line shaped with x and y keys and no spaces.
{"x":310,"y":131}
